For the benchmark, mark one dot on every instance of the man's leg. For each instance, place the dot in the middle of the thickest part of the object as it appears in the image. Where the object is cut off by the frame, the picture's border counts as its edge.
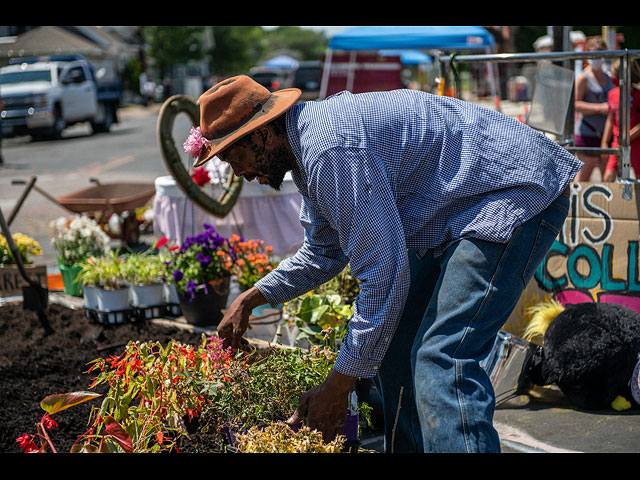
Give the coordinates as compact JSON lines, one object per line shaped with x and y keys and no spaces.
{"x":478,"y":287}
{"x":395,"y":376}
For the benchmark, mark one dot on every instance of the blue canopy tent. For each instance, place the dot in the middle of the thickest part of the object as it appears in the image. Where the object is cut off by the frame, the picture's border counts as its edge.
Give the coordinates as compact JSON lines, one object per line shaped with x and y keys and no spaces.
{"x":281,"y":61}
{"x":408,"y":57}
{"x":423,"y":38}
{"x":408,"y":37}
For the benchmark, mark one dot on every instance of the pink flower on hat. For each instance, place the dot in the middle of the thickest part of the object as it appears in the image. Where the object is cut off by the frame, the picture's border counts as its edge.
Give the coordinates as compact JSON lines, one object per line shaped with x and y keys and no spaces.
{"x":195,"y":143}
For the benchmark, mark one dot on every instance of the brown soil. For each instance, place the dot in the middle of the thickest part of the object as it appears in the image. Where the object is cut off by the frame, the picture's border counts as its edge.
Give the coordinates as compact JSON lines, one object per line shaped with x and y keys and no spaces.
{"x":34,"y":365}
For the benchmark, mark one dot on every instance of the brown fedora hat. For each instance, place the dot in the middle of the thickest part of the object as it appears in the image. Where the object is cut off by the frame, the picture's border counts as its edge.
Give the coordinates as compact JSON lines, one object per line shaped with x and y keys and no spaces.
{"x":235,"y":107}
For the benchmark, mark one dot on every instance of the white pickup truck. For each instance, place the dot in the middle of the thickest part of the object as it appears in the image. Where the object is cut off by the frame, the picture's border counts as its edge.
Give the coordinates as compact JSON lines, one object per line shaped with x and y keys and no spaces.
{"x":43,"y":96}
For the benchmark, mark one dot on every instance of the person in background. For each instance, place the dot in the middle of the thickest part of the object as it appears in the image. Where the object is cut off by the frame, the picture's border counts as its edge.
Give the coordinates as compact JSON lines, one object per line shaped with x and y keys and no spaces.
{"x":611,"y":132}
{"x":591,"y":89}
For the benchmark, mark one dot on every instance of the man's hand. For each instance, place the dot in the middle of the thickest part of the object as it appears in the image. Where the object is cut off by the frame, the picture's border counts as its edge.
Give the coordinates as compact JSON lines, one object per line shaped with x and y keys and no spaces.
{"x":236,"y":319}
{"x":325,"y":406}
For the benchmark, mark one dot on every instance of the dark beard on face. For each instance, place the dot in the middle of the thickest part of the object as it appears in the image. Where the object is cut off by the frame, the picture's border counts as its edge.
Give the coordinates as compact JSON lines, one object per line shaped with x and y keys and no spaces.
{"x":275,"y":164}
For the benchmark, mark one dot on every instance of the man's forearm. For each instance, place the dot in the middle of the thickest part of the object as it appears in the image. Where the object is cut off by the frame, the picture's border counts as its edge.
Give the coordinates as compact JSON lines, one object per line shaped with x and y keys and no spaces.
{"x":251,"y":299}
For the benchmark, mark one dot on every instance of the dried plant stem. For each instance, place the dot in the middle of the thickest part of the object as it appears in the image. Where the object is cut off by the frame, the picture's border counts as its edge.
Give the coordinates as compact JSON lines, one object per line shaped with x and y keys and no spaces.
{"x":395,"y":423}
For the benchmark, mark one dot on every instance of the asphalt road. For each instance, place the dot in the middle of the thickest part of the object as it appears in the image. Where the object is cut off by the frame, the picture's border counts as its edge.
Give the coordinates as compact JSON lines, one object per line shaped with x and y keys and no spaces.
{"x":128,"y":153}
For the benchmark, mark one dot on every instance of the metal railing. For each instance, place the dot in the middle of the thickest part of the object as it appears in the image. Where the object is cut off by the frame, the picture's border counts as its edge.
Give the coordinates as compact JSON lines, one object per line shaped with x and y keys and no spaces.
{"x":624,"y":150}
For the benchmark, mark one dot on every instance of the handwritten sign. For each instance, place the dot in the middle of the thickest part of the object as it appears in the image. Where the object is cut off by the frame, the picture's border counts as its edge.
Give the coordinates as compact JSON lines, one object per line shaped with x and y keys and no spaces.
{"x":596,"y":256}
{"x":11,"y":281}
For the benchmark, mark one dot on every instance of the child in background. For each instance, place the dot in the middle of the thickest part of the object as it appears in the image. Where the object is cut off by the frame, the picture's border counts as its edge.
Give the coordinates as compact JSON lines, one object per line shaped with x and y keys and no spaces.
{"x":612,"y":126}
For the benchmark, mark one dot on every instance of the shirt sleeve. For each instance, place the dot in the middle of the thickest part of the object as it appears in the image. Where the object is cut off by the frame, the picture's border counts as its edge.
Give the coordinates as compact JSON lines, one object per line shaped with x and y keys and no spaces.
{"x":318,"y":260}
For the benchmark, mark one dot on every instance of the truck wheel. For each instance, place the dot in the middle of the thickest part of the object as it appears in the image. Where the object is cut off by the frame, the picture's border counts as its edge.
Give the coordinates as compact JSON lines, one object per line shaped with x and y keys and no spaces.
{"x":107,"y":117}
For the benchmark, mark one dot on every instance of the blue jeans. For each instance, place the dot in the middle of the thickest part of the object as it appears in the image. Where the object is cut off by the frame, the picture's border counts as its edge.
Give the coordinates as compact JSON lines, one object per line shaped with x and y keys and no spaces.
{"x":456,"y":305}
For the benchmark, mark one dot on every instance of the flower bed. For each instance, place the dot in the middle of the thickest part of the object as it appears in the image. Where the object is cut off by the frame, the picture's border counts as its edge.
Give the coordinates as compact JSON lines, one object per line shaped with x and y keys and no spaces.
{"x":154,"y":397}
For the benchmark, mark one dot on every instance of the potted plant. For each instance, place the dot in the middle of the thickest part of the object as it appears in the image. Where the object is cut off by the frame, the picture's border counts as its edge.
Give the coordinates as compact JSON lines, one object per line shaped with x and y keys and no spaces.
{"x":170,"y":292}
{"x":11,"y":279}
{"x":76,"y":239}
{"x":253,"y":260}
{"x":321,"y":316}
{"x":106,"y":274}
{"x":144,"y":272}
{"x":201,"y":272}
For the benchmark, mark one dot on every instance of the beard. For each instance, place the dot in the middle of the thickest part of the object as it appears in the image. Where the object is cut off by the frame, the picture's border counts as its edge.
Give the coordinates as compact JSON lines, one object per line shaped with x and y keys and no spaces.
{"x":275,"y":163}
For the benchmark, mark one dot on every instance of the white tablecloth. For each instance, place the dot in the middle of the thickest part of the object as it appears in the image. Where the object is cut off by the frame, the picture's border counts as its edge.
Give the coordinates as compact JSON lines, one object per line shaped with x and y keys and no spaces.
{"x":260,"y":213}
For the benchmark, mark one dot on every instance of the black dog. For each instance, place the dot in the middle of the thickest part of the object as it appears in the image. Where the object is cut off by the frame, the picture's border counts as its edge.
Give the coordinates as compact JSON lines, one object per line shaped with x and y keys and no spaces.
{"x":590,"y":351}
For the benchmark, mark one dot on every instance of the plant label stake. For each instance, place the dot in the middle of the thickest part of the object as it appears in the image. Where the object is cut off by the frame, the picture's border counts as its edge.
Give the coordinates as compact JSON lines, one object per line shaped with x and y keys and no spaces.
{"x":34,"y":297}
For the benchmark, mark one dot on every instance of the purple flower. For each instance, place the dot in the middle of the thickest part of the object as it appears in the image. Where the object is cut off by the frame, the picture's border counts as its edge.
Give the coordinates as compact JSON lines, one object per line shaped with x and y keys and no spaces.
{"x":191,"y":287}
{"x":177,"y":275}
{"x":202,"y":239}
{"x":203,"y":259}
{"x":217,"y":240}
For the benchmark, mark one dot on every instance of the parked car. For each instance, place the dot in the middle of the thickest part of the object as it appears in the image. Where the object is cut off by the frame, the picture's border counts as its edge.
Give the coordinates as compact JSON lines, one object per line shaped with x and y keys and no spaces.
{"x":307,"y":78}
{"x":273,"y":78}
{"x":45,"y":95}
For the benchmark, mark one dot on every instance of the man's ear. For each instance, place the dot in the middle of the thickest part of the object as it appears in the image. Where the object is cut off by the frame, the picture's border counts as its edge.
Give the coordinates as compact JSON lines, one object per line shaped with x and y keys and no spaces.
{"x":268,"y":135}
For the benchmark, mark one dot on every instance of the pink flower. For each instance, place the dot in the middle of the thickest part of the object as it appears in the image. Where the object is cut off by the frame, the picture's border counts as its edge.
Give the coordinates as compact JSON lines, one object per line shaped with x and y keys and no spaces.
{"x":195,"y":143}
{"x":162,"y":241}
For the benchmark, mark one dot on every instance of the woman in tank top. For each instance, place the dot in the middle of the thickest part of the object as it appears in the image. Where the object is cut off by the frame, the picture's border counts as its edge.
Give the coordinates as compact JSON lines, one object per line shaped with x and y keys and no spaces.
{"x":591,"y":89}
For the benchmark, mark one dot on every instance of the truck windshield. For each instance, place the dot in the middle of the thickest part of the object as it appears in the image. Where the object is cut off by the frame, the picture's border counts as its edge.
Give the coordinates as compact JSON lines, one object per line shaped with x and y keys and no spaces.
{"x":25,"y":76}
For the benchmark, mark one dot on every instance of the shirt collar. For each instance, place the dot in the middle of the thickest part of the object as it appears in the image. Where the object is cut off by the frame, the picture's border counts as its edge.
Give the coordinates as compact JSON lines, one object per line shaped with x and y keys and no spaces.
{"x":293,"y":134}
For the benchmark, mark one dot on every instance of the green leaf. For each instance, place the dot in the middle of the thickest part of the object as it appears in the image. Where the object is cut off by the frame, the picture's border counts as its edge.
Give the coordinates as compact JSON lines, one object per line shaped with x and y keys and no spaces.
{"x":318,"y":313}
{"x":61,"y":401}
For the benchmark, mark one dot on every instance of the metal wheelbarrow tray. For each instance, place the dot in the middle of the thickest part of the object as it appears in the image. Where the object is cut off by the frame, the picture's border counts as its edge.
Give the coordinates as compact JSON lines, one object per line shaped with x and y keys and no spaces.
{"x":117,"y":197}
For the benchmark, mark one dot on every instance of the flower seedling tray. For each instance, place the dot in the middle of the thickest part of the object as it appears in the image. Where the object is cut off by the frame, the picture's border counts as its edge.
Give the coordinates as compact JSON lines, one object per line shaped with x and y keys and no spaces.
{"x":111,"y":317}
{"x":172,"y":309}
{"x":131,"y":314}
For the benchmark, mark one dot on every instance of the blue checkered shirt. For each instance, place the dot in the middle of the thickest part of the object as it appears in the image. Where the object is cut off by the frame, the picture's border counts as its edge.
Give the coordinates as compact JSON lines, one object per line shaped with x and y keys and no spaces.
{"x":380,"y":173}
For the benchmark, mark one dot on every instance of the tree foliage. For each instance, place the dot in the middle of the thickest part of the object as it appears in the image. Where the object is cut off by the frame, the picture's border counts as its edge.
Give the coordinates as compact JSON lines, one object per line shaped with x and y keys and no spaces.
{"x":173,"y":45}
{"x":228,"y":49}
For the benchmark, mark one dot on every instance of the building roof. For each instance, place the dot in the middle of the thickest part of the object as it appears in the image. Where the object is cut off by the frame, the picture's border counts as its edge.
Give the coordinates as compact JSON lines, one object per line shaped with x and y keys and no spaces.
{"x":49,"y":40}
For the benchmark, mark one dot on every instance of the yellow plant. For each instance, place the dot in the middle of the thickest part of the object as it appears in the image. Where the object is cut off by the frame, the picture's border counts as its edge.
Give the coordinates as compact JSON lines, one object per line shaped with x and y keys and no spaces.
{"x":278,"y":437}
{"x":26,"y":246}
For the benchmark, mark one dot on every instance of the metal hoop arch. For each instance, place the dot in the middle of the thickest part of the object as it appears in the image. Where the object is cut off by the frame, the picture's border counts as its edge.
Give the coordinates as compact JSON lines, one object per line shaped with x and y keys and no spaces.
{"x":219,"y":207}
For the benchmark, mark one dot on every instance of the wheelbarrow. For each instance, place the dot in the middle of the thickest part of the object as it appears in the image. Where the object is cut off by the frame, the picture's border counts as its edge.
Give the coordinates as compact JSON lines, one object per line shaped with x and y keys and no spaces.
{"x":100,"y":201}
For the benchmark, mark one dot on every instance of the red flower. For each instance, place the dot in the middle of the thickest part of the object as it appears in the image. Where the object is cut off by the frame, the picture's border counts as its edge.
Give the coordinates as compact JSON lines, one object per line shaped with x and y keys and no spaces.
{"x":200,"y":176}
{"x":26,"y":443}
{"x":162,"y":241}
{"x":49,"y":422}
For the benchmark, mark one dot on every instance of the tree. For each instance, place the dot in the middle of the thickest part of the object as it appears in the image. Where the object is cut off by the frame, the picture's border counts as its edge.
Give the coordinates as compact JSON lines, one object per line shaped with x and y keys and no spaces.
{"x":169,"y":46}
{"x":304,"y":44}
{"x":235,"y":49}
